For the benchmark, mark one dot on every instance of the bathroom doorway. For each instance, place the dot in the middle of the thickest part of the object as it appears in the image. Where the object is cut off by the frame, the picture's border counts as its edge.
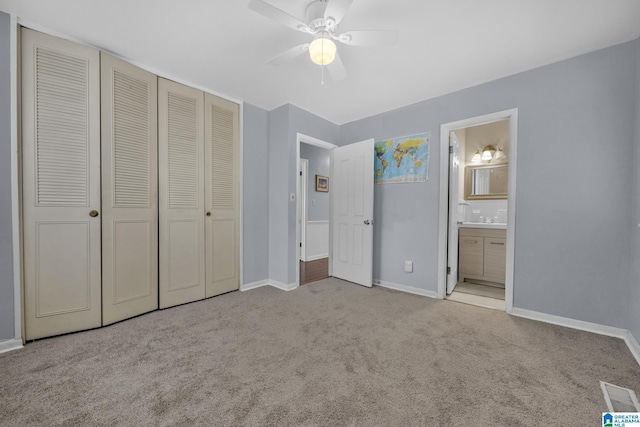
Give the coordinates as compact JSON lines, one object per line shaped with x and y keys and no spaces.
{"x":478,"y":211}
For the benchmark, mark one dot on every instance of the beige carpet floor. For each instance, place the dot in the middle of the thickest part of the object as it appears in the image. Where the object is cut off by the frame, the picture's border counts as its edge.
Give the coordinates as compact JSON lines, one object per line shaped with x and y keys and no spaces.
{"x":330,"y":353}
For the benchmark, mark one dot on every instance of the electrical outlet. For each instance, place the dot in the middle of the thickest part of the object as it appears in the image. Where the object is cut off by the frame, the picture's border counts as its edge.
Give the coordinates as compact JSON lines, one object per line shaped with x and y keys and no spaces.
{"x":408,"y":266}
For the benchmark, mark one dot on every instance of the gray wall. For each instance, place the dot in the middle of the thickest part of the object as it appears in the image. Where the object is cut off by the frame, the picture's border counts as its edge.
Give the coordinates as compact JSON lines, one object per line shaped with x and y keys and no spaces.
{"x":255,"y":187}
{"x":574,"y":181}
{"x":319,"y":164}
{"x":634,"y":294}
{"x":6,"y":248}
{"x":279,"y":152}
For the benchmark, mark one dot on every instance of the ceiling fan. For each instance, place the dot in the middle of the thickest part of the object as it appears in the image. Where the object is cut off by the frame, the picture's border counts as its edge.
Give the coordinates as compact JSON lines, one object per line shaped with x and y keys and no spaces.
{"x":322,"y":19}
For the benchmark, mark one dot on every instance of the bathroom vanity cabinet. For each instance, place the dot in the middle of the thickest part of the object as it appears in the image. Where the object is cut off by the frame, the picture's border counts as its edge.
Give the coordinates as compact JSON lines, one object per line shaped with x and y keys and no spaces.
{"x":482,"y":255}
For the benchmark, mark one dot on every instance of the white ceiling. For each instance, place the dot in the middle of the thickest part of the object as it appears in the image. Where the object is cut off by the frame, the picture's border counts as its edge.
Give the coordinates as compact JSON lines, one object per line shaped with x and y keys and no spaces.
{"x":443,"y":45}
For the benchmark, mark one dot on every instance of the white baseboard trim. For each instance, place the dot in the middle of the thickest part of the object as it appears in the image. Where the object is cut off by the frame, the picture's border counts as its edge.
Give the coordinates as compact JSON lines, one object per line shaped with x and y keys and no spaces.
{"x":407,"y":289}
{"x":596,"y":328}
{"x":268,"y":282}
{"x":316,"y":257}
{"x":10,"y":345}
{"x":254,"y":285}
{"x":570,"y":323}
{"x":282,"y":286}
{"x":633,"y":345}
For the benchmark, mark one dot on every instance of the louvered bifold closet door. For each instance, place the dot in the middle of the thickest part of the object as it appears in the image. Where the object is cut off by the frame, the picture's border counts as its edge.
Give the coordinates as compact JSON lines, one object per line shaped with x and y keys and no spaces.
{"x":129,"y":190}
{"x":61,"y":185}
{"x":181,"y":193}
{"x":222,"y":166}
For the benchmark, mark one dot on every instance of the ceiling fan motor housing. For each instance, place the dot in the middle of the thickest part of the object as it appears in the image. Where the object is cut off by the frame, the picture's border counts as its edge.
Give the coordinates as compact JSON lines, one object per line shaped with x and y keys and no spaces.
{"x":316,"y":19}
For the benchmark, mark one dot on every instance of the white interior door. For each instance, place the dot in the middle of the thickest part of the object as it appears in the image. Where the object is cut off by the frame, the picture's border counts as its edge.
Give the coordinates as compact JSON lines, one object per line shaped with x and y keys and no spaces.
{"x":129,"y":99}
{"x":352,"y":212}
{"x":222,"y":190}
{"x":61,"y":185}
{"x":454,"y":174}
{"x":181,"y":193}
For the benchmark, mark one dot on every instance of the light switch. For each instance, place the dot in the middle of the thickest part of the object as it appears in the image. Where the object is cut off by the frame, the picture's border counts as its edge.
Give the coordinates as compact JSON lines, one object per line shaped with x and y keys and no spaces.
{"x":313,"y":202}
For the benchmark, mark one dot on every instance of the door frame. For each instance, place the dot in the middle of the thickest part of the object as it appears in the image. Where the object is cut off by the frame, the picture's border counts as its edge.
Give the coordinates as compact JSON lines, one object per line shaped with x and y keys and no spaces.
{"x":302,"y":207}
{"x":302,"y":138}
{"x":445,"y":129}
{"x":16,"y":184}
{"x":452,"y":234}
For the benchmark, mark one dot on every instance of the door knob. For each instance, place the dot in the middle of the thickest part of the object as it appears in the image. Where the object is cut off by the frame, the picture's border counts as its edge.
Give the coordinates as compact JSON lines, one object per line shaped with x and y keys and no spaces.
{"x":93,"y":213}
{"x":208,"y":213}
{"x":367,"y":222}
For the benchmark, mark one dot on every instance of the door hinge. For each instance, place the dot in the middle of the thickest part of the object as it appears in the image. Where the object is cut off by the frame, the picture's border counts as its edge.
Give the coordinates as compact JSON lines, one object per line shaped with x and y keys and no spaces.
{"x":300,"y":244}
{"x":451,"y":149}
{"x":448,"y":270}
{"x":300,"y":173}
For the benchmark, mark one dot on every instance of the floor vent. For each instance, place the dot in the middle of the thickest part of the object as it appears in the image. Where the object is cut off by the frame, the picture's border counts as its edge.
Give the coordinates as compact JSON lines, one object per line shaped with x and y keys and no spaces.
{"x":619,"y":399}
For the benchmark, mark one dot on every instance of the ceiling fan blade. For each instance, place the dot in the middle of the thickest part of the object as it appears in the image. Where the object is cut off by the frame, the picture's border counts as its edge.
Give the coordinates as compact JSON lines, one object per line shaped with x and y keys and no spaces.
{"x":336,"y":69}
{"x":336,"y":9}
{"x":369,"y":38}
{"x":278,"y":15}
{"x":289,"y":54}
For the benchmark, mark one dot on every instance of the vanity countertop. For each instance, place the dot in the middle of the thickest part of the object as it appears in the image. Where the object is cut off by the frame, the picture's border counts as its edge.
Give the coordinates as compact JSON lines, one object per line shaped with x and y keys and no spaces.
{"x":494,"y":225}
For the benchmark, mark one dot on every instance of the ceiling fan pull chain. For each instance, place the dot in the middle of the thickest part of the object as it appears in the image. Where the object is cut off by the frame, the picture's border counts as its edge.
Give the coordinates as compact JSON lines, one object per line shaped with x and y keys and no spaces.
{"x":322,"y":73}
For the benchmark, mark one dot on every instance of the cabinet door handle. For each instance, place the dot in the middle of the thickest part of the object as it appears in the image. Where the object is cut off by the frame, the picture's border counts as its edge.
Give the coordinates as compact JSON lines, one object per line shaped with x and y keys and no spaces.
{"x":497,"y":243}
{"x":471,"y":241}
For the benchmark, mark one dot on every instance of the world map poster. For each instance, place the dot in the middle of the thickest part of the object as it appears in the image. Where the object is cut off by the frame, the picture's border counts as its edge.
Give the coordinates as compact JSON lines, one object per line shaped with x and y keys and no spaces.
{"x":402,"y":159}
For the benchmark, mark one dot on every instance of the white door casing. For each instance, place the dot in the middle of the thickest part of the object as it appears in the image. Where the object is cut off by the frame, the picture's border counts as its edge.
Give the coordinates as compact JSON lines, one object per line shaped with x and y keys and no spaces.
{"x":302,"y":209}
{"x":352,"y":212}
{"x":454,"y":174}
{"x":445,"y":129}
{"x":180,"y":193}
{"x":129,"y":100}
{"x":222,"y":201}
{"x":61,"y":185}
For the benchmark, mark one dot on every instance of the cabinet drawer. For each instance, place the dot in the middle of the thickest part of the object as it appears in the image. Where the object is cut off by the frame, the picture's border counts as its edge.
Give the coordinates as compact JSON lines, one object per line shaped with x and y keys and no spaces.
{"x":470,"y":253}
{"x":495,"y":256}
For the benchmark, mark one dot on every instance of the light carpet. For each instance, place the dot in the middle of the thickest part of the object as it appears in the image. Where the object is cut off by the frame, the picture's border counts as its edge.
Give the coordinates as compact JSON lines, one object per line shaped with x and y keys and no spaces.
{"x":329,"y":353}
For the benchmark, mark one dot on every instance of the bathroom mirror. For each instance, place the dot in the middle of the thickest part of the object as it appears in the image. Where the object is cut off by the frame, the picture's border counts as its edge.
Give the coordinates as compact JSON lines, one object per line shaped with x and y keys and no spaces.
{"x":486,"y":182}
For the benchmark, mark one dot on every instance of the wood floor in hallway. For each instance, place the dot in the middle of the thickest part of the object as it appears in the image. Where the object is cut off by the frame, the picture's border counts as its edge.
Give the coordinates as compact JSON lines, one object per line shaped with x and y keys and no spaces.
{"x":312,"y":271}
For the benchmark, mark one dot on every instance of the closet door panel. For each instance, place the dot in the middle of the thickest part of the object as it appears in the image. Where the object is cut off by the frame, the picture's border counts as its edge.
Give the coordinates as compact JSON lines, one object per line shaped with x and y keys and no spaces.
{"x":61,"y":185}
{"x":222,"y":165}
{"x":181,"y":193}
{"x":129,"y":190}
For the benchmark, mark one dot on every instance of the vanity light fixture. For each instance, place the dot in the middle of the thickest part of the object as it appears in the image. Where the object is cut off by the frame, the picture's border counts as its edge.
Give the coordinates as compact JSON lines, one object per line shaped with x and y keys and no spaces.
{"x":500,"y":155}
{"x":487,"y":152}
{"x":477,"y":158}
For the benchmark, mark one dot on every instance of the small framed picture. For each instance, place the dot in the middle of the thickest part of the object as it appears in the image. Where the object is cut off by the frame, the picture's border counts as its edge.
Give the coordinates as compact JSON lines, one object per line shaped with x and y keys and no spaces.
{"x":322,"y":183}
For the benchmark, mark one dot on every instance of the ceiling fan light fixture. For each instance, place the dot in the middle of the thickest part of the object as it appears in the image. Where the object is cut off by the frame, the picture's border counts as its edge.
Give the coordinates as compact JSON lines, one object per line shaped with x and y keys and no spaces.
{"x":322,"y":50}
